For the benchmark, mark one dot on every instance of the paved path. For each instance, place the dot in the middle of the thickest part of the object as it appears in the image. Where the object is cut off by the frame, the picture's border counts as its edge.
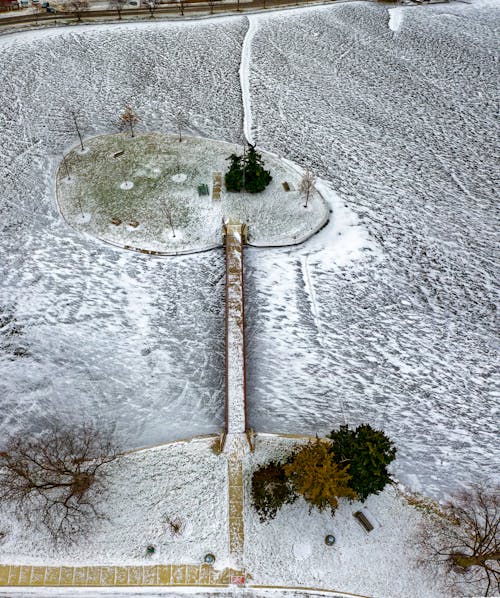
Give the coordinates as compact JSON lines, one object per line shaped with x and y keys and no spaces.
{"x":115,"y":576}
{"x":236,"y":524}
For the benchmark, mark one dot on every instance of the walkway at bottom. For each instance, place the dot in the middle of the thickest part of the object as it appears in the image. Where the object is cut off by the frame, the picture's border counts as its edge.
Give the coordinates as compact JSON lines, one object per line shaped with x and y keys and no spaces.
{"x":115,"y":576}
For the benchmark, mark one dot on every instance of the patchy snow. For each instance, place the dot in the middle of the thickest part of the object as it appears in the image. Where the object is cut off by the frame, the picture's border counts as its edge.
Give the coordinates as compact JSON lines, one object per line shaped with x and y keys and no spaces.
{"x":158,"y":201}
{"x":179,"y":178}
{"x":235,"y":332}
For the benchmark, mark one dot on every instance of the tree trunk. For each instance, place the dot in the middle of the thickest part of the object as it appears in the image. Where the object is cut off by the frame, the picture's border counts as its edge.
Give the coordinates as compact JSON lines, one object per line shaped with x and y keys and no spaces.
{"x":464,"y":561}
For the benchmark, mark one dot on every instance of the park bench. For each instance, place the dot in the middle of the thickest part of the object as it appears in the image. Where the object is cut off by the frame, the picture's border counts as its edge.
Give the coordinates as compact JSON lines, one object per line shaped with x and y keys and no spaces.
{"x":217,"y":184}
{"x":118,"y":154}
{"x":363,"y":520}
{"x":203,"y":189}
{"x":286,"y":186}
{"x":116,"y":221}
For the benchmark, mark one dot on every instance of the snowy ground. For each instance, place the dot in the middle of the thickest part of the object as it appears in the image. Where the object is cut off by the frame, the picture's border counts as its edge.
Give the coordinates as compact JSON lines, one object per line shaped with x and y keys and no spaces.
{"x":291,"y":549}
{"x":186,"y":482}
{"x":399,"y":122}
{"x":150,"y":182}
{"x":402,"y":123}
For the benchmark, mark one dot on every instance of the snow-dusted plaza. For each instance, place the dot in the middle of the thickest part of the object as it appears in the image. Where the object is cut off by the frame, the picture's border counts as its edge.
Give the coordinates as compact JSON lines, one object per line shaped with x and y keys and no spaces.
{"x":386,"y":315}
{"x":142,"y":192}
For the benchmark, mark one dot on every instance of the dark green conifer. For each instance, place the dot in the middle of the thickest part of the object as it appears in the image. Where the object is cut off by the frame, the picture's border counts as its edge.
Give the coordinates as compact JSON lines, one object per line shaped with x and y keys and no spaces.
{"x":367,"y":452}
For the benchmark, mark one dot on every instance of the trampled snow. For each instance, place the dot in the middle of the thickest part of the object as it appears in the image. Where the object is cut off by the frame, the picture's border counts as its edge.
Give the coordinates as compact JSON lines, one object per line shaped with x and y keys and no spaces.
{"x":386,"y":316}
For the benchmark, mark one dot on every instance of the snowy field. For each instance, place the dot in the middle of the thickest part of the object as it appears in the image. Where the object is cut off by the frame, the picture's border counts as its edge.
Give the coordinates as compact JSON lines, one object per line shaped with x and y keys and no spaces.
{"x":386,"y":316}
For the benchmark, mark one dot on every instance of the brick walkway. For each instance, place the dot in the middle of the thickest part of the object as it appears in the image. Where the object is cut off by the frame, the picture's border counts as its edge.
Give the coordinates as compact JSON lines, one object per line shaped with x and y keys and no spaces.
{"x":115,"y":576}
{"x":236,"y":526}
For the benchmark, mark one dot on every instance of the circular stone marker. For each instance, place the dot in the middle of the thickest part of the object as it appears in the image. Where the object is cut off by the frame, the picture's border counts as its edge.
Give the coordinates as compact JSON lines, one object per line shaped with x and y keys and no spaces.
{"x":151,"y":167}
{"x":179,"y":178}
{"x":302,"y":550}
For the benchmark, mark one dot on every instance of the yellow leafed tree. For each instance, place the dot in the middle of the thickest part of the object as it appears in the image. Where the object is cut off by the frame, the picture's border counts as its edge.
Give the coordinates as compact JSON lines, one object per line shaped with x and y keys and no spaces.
{"x":316,"y":477}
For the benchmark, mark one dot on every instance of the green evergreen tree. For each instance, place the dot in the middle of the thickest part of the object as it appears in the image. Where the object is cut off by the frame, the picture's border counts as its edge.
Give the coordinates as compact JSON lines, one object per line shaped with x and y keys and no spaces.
{"x":256,"y":177}
{"x":234,"y":176}
{"x":270,"y":490}
{"x":367,"y":452}
{"x":247,"y":172}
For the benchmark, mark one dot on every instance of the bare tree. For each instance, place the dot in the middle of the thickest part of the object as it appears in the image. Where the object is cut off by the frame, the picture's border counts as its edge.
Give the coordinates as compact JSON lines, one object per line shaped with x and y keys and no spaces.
{"x":181,"y":122}
{"x":212,"y":3}
{"x":56,"y":479}
{"x":151,"y":5}
{"x":74,"y":117}
{"x":307,"y":185}
{"x":77,"y":7}
{"x":466,"y":538}
{"x":130,"y":118}
{"x":117,"y":5}
{"x":182,"y":5}
{"x":168,"y":215}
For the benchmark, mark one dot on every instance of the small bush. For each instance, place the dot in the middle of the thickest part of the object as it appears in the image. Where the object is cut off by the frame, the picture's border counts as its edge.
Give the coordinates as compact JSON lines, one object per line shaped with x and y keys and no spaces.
{"x":271,"y":490}
{"x":216,"y":446}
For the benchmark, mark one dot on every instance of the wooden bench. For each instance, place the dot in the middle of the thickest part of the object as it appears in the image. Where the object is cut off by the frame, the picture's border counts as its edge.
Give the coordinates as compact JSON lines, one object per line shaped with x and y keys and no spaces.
{"x":217,"y":184}
{"x":203,"y":189}
{"x":363,"y":521}
{"x":116,"y":221}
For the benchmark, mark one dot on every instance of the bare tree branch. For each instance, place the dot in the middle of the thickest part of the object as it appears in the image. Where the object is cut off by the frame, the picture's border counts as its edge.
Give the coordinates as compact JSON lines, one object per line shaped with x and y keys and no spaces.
{"x":466,"y":539}
{"x":56,"y":479}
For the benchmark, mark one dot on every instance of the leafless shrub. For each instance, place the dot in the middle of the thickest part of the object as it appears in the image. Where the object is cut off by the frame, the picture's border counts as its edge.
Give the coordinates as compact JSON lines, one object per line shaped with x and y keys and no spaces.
{"x":129,"y":118}
{"x":56,"y":479}
{"x":77,"y":7}
{"x":176,"y":525}
{"x":465,"y":538}
{"x":307,"y":185}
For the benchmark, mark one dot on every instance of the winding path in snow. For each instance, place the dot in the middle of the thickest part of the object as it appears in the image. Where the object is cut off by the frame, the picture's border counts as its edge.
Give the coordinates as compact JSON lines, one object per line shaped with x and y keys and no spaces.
{"x":246,"y":51}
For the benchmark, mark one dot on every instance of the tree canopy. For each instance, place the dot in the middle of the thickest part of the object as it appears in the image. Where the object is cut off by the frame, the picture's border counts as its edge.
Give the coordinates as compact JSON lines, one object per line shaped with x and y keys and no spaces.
{"x":247,"y":172}
{"x":367,"y":453}
{"x":317,"y":478}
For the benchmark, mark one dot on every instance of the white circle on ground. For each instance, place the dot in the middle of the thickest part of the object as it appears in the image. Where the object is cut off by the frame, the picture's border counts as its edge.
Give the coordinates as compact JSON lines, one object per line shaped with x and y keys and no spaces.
{"x":126,"y":185}
{"x":83,"y":217}
{"x":302,"y":550}
{"x":179,"y":178}
{"x":171,"y":237}
{"x":85,"y":150}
